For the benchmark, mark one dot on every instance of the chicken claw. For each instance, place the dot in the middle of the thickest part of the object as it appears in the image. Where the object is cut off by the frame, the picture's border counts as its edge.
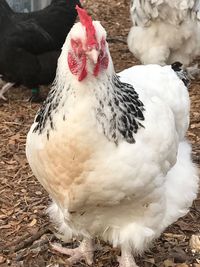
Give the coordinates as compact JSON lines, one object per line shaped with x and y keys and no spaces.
{"x":4,"y":89}
{"x":2,"y":96}
{"x":84,"y":251}
{"x":126,"y":259}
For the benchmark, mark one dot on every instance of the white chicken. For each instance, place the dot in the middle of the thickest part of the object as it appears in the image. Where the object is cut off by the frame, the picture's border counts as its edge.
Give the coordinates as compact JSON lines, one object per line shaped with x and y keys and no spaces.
{"x":165,"y":31}
{"x":105,"y":147}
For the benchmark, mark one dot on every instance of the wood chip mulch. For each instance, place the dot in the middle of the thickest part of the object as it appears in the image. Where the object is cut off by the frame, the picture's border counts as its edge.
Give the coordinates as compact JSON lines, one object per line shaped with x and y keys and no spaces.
{"x":25,"y":230}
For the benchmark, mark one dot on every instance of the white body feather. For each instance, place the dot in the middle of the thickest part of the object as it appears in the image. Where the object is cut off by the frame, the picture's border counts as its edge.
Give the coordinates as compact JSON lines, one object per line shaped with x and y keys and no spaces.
{"x":126,"y":193}
{"x":169,"y":30}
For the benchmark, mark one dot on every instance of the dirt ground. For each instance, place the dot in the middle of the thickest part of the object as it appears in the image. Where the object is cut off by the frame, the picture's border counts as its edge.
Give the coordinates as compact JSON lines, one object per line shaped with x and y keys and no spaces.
{"x":25,"y":230}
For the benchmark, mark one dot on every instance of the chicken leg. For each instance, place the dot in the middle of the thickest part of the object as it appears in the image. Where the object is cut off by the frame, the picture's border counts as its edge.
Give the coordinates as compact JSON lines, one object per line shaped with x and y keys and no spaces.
{"x":84,"y":251}
{"x":126,"y":259}
{"x":4,"y":89}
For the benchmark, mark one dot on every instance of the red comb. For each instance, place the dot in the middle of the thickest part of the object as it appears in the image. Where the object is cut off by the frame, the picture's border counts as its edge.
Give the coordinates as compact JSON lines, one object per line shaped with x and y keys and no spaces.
{"x":86,"y":21}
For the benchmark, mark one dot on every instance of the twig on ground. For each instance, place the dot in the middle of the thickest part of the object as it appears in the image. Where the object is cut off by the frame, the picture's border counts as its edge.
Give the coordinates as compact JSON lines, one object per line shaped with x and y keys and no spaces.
{"x":30,"y":240}
{"x":40,"y":244}
{"x":172,"y":235}
{"x":25,"y":241}
{"x":115,"y":40}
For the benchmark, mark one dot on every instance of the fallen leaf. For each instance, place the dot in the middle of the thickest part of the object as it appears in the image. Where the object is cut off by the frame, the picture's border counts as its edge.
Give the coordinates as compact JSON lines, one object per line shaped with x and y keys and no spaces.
{"x":183,"y":225}
{"x":194,"y":243}
{"x":34,"y":221}
{"x":178,"y":255}
{"x":169,"y":263}
{"x":7,"y":226}
{"x":38,"y":193}
{"x":151,"y":260}
{"x":2,"y":259}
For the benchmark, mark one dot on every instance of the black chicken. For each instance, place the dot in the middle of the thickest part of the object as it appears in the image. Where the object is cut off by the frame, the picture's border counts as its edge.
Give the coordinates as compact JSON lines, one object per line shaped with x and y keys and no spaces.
{"x":30,"y":43}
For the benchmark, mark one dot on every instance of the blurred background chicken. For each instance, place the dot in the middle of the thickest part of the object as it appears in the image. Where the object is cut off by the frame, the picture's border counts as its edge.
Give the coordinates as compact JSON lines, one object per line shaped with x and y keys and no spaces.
{"x":30,"y":43}
{"x":165,"y":31}
{"x":110,"y":149}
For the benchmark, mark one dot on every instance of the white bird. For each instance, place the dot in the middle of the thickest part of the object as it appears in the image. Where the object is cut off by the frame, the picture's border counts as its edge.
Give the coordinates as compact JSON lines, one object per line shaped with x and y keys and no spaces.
{"x":110,"y":149}
{"x":165,"y":31}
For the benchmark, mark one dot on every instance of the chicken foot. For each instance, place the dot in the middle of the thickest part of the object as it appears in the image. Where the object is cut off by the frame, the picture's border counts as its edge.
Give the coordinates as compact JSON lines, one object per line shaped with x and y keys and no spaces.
{"x":126,"y":259}
{"x":4,"y":89}
{"x":84,"y":251}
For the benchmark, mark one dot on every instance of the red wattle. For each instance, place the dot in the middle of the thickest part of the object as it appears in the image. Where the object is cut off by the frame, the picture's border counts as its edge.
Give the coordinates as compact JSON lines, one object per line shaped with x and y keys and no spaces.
{"x":83,"y":71}
{"x":96,"y":69}
{"x":77,"y":66}
{"x":82,"y":75}
{"x":73,"y":64}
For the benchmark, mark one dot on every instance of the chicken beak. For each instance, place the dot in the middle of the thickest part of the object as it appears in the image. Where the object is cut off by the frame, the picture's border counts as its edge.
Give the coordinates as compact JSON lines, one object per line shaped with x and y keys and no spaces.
{"x":93,"y":55}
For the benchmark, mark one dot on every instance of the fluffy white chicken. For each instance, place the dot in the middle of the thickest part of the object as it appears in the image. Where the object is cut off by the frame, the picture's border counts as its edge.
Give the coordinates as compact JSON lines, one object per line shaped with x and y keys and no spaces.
{"x":165,"y":31}
{"x":110,"y":149}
